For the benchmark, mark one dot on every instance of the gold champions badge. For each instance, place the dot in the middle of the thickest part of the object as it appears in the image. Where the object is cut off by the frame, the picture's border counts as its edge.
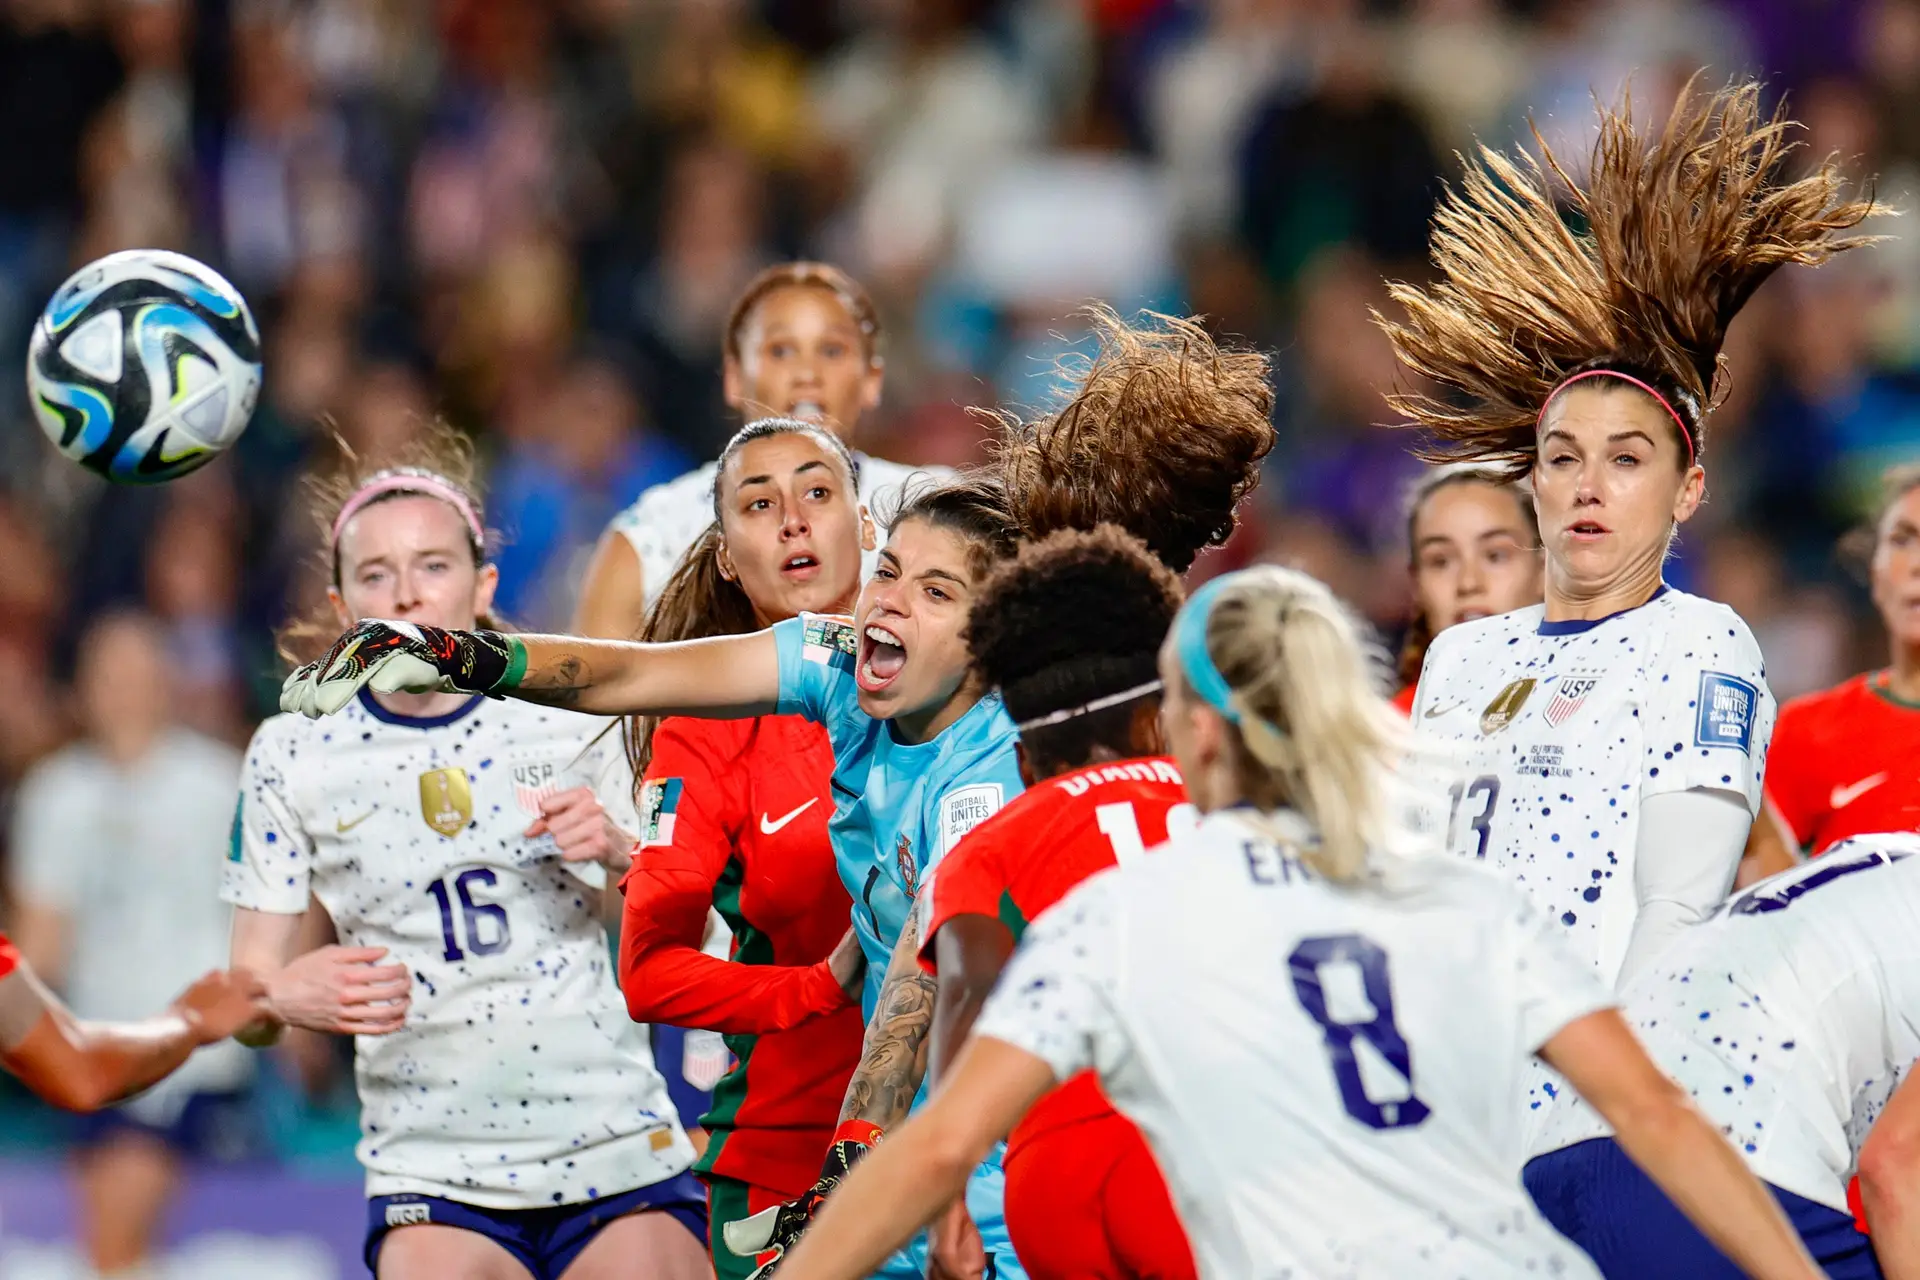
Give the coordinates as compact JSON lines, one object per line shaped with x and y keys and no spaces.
{"x":446,"y":800}
{"x":1505,"y":707}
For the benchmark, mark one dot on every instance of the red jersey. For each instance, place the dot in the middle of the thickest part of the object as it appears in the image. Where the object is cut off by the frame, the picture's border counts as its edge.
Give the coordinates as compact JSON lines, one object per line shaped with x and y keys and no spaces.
{"x":1846,"y":762}
{"x":1031,"y":854}
{"x":9,"y":956}
{"x":1404,"y":699}
{"x":735,"y":815}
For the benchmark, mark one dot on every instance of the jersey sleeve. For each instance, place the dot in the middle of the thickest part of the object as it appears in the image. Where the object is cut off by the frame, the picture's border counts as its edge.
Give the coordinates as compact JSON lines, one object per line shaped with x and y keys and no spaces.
{"x":1793,"y":777}
{"x":1056,"y":999}
{"x":970,"y":881}
{"x":817,"y":652}
{"x":269,"y":853}
{"x":1710,"y":713}
{"x":1553,"y":985}
{"x":693,"y":806}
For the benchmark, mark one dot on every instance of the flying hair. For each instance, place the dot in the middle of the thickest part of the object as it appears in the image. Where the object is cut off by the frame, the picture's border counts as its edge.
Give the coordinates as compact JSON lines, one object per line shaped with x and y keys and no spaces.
{"x":1682,"y":227}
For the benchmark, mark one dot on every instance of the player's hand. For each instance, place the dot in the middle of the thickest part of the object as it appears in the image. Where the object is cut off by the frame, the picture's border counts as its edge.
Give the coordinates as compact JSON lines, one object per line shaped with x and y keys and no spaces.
{"x":398,"y":657}
{"x":578,"y":823}
{"x":954,"y":1248}
{"x":342,"y":990}
{"x":766,"y":1236}
{"x":848,"y":964}
{"x":221,"y":1003}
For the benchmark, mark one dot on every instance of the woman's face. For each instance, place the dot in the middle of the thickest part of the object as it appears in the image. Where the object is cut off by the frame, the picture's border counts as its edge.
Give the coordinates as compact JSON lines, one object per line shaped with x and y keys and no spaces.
{"x":1609,"y":485}
{"x":1473,"y":554}
{"x":803,"y":356}
{"x":791,"y":528}
{"x":1896,"y":570}
{"x":912,"y":617}
{"x":409,"y":559}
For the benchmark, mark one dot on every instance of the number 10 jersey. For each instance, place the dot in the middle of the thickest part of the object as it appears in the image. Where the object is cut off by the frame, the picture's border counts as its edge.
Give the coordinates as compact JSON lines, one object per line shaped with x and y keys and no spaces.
{"x":518,"y":1080}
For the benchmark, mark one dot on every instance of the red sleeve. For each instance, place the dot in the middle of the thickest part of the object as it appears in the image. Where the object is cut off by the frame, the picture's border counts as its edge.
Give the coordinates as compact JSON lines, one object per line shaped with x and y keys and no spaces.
{"x":1792,"y":782}
{"x":665,"y":975}
{"x":9,"y":956}
{"x":968,"y":882}
{"x":1404,"y":699}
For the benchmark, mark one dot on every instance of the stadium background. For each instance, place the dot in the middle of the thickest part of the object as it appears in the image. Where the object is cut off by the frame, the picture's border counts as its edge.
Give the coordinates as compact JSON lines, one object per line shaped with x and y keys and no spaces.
{"x":531,"y":216}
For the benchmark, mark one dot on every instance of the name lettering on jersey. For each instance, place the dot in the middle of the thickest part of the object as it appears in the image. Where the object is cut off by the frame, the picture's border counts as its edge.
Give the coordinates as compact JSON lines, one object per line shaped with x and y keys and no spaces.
{"x":533,"y":782}
{"x":1726,"y":711}
{"x":409,"y":1215}
{"x":1568,"y":695}
{"x":446,"y":800}
{"x":659,"y":798}
{"x":821,"y":638}
{"x":964,"y":808}
{"x":1505,"y":707}
{"x":1078,"y":784}
{"x":1270,"y":865}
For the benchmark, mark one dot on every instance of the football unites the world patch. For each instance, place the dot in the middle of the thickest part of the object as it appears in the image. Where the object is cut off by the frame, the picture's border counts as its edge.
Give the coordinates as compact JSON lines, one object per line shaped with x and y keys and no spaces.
{"x":1727,"y":705}
{"x":964,"y":808}
{"x":821,"y":638}
{"x":1568,"y":695}
{"x":659,"y":798}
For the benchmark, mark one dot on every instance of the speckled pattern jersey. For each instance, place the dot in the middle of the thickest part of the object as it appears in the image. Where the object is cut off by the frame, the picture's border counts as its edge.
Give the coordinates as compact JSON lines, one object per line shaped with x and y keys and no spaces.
{"x":668,"y":518}
{"x":518,"y":1081}
{"x":1324,"y":1074}
{"x":1791,"y":1016}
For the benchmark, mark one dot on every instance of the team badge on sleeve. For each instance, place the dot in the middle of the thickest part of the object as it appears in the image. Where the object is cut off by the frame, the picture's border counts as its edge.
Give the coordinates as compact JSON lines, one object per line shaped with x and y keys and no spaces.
{"x":1568,"y":696}
{"x":659,"y":797}
{"x":1727,"y":706}
{"x":823,"y":637}
{"x":1505,"y":707}
{"x":446,"y":800}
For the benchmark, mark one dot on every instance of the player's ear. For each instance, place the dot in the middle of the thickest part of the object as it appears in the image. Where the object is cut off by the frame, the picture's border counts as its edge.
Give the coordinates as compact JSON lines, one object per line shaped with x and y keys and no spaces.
{"x":1144,"y":735}
{"x":724,"y":560}
{"x":341,"y":613}
{"x":869,"y":538}
{"x":1026,"y":764}
{"x":485,"y":583}
{"x":1693,"y":491}
{"x":870,"y":388}
{"x":733,"y":383}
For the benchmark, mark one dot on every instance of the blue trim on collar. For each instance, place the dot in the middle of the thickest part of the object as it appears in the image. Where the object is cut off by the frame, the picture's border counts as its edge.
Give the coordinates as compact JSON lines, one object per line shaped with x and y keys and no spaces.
{"x":1574,"y":626}
{"x":385,"y":716}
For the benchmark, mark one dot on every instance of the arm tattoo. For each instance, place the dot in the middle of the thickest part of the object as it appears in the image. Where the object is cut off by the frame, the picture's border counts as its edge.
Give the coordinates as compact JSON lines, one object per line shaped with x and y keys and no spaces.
{"x":894,"y":1059}
{"x":558,"y":684}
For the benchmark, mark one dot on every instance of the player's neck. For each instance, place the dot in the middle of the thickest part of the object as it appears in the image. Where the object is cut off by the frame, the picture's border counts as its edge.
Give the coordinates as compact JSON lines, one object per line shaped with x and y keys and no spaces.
{"x":422,"y":706}
{"x":1903,"y":677}
{"x":1573,"y":601}
{"x":924,"y":726}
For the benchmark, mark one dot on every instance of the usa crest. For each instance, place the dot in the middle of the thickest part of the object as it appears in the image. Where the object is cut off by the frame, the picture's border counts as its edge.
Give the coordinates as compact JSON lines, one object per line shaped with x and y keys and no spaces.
{"x":534,"y":781}
{"x":1505,"y":707}
{"x":1568,"y":696}
{"x":446,"y":800}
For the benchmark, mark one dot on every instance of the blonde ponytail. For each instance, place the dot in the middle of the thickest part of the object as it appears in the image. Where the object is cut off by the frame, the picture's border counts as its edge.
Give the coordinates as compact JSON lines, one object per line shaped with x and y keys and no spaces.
{"x":1301,"y":681}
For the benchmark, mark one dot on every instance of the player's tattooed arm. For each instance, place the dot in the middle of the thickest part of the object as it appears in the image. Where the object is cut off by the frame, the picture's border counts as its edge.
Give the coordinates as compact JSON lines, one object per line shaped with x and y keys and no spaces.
{"x":894,"y":1058}
{"x":556,"y":683}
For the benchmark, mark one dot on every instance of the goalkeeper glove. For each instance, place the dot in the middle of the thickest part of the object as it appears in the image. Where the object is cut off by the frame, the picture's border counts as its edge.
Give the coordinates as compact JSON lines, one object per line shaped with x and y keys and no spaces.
{"x":766,"y":1236}
{"x":403,"y":657}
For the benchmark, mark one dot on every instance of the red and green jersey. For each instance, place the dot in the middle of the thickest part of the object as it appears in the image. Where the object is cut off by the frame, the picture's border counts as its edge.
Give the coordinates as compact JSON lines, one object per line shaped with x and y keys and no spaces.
{"x":734,"y":814}
{"x":1033,"y":853}
{"x":1846,"y":762}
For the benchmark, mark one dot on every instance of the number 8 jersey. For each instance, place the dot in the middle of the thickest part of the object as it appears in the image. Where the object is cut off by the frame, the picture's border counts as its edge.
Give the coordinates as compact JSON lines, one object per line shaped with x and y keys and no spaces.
{"x":1557,"y":733}
{"x":518,"y":1080}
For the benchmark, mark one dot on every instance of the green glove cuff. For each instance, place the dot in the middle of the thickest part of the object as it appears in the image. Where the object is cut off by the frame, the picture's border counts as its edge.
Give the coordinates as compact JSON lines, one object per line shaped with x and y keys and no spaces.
{"x":516,"y":663}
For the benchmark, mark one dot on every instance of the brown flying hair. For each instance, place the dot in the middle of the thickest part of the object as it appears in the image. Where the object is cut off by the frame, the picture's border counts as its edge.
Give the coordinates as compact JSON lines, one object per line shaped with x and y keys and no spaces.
{"x":438,"y":451}
{"x":1682,"y":227}
{"x":806,"y":275}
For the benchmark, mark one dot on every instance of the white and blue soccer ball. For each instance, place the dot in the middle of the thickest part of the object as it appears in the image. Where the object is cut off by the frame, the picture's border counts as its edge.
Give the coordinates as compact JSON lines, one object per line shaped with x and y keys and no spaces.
{"x":144,"y":366}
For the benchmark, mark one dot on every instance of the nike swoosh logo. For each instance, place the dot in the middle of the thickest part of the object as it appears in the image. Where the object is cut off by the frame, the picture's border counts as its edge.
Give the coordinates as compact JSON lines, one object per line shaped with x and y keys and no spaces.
{"x":341,"y":828}
{"x":1844,"y":796}
{"x":1434,"y":713}
{"x":767,"y":827}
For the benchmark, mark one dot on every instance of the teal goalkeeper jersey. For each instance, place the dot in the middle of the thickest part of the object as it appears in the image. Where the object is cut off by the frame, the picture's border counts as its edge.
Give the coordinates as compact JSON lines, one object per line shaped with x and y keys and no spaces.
{"x":898,"y":807}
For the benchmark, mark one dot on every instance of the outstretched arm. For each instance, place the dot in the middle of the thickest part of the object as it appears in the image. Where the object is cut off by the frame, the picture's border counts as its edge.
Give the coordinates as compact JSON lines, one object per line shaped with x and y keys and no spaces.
{"x":1659,"y":1129}
{"x":723,"y":678}
{"x":83,"y":1066}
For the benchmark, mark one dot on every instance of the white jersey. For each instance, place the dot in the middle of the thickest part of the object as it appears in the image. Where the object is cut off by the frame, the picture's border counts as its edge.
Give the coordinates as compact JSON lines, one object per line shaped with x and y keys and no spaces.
{"x":1790,"y":1017}
{"x":1324,"y":1073}
{"x":1560,"y":731}
{"x":518,"y":1081}
{"x":668,"y":518}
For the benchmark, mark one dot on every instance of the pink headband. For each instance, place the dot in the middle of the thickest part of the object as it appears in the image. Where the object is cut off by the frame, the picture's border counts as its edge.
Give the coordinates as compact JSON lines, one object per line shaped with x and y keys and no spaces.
{"x":421,"y":482}
{"x":1678,"y":421}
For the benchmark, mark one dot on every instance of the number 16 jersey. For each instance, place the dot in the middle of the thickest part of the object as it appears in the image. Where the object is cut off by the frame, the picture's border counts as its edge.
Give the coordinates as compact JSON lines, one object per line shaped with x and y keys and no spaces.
{"x":1556,"y":733}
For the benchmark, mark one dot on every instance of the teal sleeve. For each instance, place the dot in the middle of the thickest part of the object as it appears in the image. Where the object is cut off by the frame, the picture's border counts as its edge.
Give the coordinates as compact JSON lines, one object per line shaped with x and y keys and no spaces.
{"x":817,"y":654}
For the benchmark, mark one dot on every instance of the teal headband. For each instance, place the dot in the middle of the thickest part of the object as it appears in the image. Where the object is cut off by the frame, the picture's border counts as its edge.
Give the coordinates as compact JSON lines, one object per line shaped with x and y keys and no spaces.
{"x":1190,"y":646}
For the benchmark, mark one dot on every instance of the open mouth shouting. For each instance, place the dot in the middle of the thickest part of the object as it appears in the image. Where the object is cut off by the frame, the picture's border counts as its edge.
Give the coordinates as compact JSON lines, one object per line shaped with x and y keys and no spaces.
{"x":882,"y":656}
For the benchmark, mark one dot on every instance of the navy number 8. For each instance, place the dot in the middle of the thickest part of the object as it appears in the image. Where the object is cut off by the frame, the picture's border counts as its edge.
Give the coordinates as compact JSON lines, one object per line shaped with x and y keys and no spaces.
{"x":1380,"y":1031}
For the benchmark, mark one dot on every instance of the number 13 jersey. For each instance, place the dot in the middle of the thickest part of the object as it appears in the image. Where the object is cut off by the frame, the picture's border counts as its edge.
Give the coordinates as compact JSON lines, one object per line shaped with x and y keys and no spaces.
{"x":1556,"y":733}
{"x":518,"y":1080}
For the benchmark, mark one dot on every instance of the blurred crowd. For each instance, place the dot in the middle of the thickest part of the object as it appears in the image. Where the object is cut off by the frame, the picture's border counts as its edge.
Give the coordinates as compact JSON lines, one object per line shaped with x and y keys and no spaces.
{"x":531,"y":217}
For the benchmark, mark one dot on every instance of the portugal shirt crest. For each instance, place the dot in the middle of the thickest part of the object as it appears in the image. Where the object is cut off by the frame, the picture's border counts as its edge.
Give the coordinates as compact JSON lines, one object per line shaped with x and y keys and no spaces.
{"x":909,"y":873}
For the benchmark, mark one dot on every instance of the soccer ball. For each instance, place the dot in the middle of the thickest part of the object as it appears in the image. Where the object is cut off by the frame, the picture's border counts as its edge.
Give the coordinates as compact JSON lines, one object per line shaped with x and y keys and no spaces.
{"x":144,"y":366}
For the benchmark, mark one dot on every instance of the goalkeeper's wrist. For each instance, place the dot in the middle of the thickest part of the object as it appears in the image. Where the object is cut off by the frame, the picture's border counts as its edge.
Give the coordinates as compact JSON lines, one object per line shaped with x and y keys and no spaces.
{"x":864,"y":1133}
{"x":500,"y":661}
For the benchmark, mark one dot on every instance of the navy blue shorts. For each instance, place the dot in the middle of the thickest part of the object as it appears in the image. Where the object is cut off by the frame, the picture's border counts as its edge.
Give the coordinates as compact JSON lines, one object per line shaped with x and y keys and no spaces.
{"x":1598,"y":1198}
{"x":222,"y":1127}
{"x":545,"y":1241}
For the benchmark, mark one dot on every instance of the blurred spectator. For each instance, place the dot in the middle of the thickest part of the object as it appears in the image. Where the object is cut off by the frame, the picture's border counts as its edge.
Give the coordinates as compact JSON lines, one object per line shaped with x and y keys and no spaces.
{"x":193,"y":588}
{"x":1462,"y":62}
{"x":1803,"y":631}
{"x":116,"y":873}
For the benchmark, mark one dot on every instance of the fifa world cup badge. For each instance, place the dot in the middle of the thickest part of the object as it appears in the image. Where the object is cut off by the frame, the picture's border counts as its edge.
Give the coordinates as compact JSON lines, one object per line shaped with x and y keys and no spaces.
{"x":1505,"y":707}
{"x":446,"y":800}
